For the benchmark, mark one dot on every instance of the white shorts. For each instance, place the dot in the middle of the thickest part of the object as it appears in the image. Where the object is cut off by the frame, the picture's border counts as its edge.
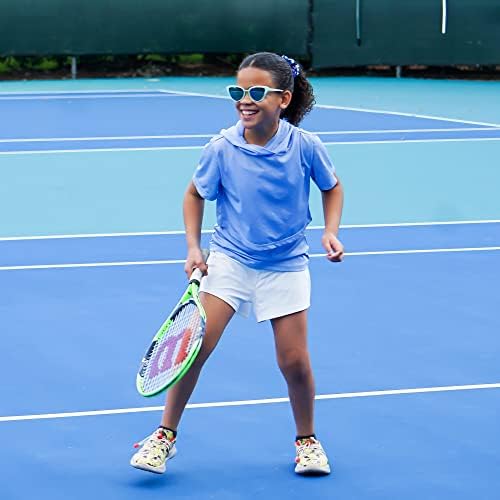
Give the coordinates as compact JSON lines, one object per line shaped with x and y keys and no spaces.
{"x":272,"y":294}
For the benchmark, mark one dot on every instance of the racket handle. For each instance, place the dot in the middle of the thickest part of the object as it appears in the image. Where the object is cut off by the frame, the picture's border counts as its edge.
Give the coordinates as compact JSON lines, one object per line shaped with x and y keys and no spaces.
{"x":196,"y":275}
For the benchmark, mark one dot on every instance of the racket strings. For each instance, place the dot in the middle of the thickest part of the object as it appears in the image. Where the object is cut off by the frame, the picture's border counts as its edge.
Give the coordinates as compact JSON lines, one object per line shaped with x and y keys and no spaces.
{"x":172,"y":349}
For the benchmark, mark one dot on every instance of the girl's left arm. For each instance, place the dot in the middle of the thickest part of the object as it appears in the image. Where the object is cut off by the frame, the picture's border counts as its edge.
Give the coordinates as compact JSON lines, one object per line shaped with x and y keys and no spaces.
{"x":333,"y":201}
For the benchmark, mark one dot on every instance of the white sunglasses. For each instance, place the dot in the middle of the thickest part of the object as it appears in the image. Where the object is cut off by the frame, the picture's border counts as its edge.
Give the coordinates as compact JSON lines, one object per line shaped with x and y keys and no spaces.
{"x":256,"y":93}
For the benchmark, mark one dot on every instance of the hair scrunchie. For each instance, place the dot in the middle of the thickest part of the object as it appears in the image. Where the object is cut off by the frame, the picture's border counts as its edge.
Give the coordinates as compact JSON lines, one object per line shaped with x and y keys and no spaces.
{"x":294,"y":65}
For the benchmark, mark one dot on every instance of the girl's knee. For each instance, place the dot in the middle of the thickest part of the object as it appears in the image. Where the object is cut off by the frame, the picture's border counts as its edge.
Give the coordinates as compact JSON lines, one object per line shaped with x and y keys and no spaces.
{"x":295,"y":366}
{"x":205,"y":352}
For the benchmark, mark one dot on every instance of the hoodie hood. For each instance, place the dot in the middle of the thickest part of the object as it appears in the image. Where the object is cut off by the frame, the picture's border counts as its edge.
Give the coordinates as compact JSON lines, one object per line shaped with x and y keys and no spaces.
{"x":279,"y":143}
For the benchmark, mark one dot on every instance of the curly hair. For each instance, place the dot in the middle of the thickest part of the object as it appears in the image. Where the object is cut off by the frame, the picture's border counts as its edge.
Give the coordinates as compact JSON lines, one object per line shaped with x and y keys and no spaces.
{"x":281,"y":72}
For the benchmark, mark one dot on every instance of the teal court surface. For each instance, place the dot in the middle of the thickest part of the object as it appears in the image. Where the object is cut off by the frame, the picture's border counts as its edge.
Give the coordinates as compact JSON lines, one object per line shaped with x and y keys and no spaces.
{"x":404,"y":334}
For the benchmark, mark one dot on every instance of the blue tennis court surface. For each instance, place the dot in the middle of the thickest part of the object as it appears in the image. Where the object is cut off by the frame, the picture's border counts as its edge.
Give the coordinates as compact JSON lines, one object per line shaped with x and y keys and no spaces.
{"x":128,"y":120}
{"x":403,"y":334}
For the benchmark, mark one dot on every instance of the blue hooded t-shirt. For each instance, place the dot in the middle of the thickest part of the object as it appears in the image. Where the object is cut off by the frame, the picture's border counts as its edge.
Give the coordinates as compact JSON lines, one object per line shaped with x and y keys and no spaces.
{"x":262,"y":194}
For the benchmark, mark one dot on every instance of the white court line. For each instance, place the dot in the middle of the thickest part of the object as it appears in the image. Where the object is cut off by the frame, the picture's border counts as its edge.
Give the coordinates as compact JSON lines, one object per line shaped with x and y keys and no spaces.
{"x":410,"y":130}
{"x":73,"y":97}
{"x":209,"y":136}
{"x":181,"y":261}
{"x":86,"y":91}
{"x":322,"y":106}
{"x":418,"y":251}
{"x":98,"y":235}
{"x":407,"y":141}
{"x":94,"y":264}
{"x":166,"y":148}
{"x":362,"y":110}
{"x":95,"y":150}
{"x":208,"y":231}
{"x":252,"y":402}
{"x":413,"y":224}
{"x":123,"y":138}
{"x":411,"y":115}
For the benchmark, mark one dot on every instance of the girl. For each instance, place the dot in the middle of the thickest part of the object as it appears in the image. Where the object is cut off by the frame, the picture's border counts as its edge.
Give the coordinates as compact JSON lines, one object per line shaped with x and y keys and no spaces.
{"x":259,"y":172}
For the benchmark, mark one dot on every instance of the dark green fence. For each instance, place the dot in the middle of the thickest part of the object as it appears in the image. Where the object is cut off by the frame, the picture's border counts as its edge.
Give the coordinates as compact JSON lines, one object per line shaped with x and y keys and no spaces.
{"x":77,"y":27}
{"x":401,"y":32}
{"x":330,"y":33}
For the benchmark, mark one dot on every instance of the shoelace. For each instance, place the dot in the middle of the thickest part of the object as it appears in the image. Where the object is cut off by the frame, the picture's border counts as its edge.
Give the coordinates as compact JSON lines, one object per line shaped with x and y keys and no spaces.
{"x":309,"y":451}
{"x":160,"y":438}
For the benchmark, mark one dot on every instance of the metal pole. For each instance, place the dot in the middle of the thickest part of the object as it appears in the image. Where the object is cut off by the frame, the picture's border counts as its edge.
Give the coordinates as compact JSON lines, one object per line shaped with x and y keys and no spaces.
{"x":74,"y":69}
{"x":358,"y":22}
{"x":444,"y":16}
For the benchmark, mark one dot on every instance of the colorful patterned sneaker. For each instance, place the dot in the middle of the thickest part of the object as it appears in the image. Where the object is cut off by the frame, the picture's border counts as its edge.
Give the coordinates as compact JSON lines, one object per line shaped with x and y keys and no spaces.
{"x":310,"y":457}
{"x":155,"y":451}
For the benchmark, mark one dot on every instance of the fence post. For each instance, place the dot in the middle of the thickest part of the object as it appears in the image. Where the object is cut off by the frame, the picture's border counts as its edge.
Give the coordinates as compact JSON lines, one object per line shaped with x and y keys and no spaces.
{"x":74,"y":68}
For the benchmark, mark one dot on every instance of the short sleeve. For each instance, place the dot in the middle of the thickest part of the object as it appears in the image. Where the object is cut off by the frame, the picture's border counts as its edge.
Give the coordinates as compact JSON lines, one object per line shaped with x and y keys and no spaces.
{"x":322,"y":169}
{"x":206,"y":177}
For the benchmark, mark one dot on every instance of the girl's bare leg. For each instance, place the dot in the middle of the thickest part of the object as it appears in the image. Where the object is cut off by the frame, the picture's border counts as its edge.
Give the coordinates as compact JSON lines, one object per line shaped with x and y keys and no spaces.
{"x":290,"y":335}
{"x":219,"y":313}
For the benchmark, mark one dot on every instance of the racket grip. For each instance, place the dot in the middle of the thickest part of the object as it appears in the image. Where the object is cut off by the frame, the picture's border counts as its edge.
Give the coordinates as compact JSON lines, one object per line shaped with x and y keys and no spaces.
{"x":196,"y":275}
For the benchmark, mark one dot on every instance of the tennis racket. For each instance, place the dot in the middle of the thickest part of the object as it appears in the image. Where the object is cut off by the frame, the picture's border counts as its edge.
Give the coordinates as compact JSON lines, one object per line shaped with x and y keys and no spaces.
{"x":176,"y":344}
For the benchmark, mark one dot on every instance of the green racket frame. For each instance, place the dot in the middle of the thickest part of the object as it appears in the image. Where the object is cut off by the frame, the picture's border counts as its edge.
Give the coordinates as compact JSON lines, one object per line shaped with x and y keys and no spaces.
{"x":190,"y":295}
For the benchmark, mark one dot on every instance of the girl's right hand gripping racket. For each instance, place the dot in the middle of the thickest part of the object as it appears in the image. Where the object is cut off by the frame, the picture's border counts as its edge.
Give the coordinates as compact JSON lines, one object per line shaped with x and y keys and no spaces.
{"x":176,"y":344}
